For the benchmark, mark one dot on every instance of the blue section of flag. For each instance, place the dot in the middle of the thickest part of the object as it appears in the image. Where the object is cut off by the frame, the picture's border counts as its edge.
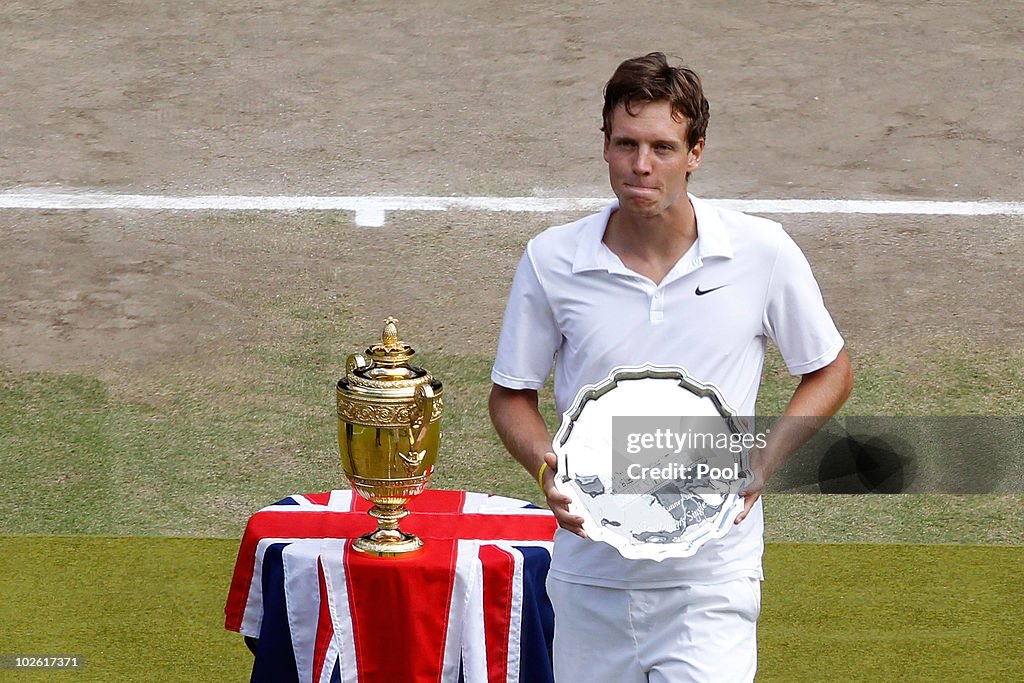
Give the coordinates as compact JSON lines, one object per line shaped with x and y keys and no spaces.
{"x":279,"y":664}
{"x":538,"y":626}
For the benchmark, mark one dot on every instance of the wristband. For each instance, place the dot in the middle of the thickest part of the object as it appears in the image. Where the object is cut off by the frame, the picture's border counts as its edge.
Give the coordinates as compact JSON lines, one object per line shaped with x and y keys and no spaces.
{"x":540,"y":476}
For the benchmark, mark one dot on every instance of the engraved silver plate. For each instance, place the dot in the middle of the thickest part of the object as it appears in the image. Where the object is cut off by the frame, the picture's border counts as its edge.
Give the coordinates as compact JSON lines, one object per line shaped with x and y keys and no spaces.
{"x":679,"y":507}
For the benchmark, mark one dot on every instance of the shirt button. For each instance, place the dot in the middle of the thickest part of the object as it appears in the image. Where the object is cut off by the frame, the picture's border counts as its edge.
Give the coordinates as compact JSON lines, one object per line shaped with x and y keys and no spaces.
{"x":657,"y":312}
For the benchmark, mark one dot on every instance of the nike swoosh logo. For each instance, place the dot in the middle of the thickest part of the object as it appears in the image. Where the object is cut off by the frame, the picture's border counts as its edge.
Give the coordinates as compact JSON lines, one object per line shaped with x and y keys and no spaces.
{"x":702,"y":292}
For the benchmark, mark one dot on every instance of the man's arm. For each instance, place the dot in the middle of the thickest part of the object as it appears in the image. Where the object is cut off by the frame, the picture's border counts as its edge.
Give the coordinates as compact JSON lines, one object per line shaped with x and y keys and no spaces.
{"x":522,"y":429}
{"x":818,"y":396}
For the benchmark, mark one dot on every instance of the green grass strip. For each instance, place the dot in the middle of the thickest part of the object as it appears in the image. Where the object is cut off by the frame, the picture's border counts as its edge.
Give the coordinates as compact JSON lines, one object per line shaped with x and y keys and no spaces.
{"x":151,"y":609}
{"x":137,"y":609}
{"x":891,"y":613}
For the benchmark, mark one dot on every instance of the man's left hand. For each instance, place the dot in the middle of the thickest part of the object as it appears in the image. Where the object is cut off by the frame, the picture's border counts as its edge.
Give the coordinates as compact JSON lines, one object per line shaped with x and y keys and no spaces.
{"x":750,"y":493}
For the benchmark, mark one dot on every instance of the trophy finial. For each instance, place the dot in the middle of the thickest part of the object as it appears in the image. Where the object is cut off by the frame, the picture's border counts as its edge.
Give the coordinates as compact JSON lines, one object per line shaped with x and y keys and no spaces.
{"x":389,"y":338}
{"x":391,"y":352}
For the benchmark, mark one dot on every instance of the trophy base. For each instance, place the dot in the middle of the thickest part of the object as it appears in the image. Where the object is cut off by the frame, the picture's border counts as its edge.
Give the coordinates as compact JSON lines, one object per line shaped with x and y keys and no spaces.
{"x":388,"y":543}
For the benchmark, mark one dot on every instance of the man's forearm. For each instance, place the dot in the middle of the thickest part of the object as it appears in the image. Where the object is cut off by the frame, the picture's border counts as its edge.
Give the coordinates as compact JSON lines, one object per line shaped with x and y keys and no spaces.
{"x":519,"y":424}
{"x":819,"y":395}
{"x":522,"y":429}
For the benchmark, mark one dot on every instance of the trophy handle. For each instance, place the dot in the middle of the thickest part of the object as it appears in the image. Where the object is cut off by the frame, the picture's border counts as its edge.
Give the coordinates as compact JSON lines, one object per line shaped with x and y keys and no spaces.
{"x":425,"y":403}
{"x":356,"y":361}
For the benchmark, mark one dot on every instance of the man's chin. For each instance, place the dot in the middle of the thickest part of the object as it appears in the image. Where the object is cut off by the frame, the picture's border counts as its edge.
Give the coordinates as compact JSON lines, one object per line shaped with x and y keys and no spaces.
{"x":641,"y":207}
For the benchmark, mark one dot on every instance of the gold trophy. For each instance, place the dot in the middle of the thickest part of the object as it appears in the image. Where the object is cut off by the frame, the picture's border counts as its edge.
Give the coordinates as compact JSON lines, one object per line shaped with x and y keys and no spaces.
{"x":389,"y":432}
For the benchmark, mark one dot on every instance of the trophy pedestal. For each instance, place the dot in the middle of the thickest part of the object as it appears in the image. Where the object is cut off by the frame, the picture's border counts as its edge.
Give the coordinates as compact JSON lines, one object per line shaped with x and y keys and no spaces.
{"x":388,"y":540}
{"x":388,"y":544}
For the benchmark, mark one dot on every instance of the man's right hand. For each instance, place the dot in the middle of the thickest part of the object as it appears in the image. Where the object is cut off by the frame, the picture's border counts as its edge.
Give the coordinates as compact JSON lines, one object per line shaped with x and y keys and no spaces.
{"x":558,"y":501}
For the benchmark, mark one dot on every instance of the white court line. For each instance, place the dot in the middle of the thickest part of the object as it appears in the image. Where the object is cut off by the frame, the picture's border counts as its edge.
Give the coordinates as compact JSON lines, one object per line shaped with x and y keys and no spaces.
{"x":370,"y":211}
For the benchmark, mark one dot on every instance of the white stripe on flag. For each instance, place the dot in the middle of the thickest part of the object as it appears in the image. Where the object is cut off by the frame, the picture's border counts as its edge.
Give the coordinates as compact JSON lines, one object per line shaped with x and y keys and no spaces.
{"x":467,"y":575}
{"x":302,"y":597}
{"x":516,"y":616}
{"x":474,"y":502}
{"x":340,"y":500}
{"x":474,"y":644}
{"x":341,"y":614}
{"x":500,"y":505}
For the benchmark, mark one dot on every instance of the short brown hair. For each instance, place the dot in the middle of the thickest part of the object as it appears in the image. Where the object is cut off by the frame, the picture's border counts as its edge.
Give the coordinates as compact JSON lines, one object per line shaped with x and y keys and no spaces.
{"x":652,"y":79}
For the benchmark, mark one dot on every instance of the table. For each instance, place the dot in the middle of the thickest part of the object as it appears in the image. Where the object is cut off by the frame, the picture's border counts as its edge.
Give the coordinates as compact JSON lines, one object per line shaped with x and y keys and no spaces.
{"x":471,"y":607}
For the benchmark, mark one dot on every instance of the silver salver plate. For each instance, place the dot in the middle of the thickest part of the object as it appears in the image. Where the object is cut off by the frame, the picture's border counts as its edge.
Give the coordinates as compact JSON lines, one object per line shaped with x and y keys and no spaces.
{"x":650,"y":517}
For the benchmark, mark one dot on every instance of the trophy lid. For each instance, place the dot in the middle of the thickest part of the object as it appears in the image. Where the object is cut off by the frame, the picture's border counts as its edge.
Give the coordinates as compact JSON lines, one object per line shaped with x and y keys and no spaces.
{"x":384,"y":370}
{"x":391,"y":352}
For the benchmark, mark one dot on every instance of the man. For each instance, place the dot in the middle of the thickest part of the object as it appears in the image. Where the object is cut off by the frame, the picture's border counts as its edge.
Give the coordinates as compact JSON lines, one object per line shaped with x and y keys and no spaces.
{"x":660,"y":276}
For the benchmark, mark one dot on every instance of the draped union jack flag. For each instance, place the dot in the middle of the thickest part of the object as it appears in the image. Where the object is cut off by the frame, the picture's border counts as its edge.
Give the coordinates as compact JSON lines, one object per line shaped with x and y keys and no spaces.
{"x":470,"y":608}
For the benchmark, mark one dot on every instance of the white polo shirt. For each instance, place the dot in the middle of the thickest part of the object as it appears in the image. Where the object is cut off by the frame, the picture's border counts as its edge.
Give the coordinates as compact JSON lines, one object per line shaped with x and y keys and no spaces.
{"x":575,"y":305}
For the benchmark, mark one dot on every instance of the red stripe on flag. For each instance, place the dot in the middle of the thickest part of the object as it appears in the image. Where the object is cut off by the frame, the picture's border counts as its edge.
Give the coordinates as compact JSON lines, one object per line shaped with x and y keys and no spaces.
{"x":510,"y":527}
{"x":378,"y":588}
{"x":498,"y":574}
{"x":431,"y":500}
{"x":318,"y":498}
{"x":324,"y":626}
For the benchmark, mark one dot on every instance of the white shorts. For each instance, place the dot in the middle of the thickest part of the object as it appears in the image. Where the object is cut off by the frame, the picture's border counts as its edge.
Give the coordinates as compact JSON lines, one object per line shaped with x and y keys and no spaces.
{"x":687,"y":634}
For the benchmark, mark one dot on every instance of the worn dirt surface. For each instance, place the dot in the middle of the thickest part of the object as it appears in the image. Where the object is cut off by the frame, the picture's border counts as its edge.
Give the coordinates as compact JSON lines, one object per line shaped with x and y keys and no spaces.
{"x":905,"y":100}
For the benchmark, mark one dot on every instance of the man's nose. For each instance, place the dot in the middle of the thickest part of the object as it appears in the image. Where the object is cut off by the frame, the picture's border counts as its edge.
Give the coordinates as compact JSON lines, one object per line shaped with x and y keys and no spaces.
{"x":642,"y":161}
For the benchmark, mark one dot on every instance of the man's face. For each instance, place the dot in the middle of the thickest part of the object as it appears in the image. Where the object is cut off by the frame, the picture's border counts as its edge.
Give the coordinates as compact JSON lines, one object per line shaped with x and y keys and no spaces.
{"x":648,"y":158}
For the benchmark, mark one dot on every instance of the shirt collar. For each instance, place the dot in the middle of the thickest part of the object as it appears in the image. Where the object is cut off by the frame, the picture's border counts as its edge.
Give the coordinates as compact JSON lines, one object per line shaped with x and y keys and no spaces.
{"x":712,"y":238}
{"x":592,"y":254}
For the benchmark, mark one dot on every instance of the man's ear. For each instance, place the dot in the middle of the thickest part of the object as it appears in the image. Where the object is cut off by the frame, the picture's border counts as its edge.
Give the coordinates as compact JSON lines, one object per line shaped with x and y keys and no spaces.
{"x":694,"y":156}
